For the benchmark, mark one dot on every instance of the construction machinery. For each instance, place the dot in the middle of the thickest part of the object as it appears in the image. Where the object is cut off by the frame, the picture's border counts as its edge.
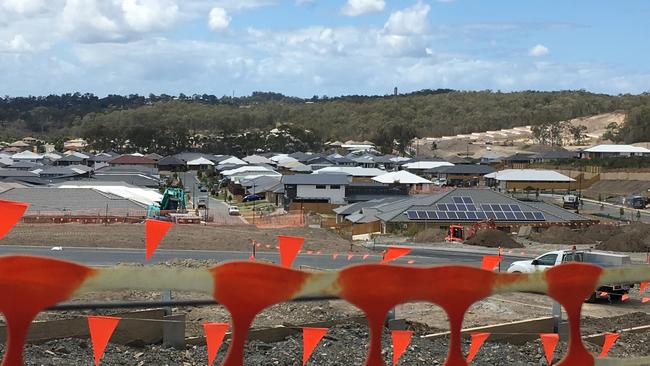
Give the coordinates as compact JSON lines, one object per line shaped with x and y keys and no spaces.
{"x":173,"y":201}
{"x":456,"y":232}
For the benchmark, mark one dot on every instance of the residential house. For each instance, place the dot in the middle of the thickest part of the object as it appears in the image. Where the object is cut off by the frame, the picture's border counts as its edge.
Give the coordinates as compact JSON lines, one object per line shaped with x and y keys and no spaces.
{"x":358,"y":174}
{"x":528,"y":180}
{"x":314,"y":192}
{"x":27,"y":156}
{"x":613,"y":151}
{"x":463,"y":175}
{"x":132,"y":161}
{"x":170,"y":164}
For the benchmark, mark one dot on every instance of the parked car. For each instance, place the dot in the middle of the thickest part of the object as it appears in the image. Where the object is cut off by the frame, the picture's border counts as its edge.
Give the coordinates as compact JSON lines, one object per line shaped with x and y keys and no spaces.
{"x":252,"y":197}
{"x":233,"y":211}
{"x":203,"y":188}
{"x":614,"y":291}
{"x":440,"y":182}
{"x":202,"y":202}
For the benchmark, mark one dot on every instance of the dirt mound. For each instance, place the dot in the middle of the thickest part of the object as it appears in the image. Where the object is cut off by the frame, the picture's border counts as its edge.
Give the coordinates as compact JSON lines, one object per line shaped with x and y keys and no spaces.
{"x":429,"y":236}
{"x":565,"y":235}
{"x":493,"y":238}
{"x":632,"y":238}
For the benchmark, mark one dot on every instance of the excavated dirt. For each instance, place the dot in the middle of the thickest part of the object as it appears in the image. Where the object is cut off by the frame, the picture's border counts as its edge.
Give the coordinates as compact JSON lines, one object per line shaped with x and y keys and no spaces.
{"x":492,"y":238}
{"x":178,"y":237}
{"x":632,"y":238}
{"x":565,"y":235}
{"x":430,"y":235}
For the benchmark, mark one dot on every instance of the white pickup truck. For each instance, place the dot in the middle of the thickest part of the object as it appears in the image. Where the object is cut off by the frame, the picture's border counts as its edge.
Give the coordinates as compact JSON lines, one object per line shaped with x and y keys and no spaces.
{"x":550,"y":259}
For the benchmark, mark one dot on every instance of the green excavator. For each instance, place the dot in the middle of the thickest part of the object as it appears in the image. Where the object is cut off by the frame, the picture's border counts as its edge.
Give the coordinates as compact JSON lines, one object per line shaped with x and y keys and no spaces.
{"x":173,"y":200}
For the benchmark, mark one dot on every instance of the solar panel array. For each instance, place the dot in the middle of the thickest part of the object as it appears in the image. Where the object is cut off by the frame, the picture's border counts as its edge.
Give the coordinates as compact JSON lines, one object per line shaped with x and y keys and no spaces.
{"x":464,"y":209}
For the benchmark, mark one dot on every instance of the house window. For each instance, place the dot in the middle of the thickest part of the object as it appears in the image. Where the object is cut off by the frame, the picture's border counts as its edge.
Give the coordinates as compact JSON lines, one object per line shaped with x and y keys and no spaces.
{"x":321,"y":186}
{"x":335,"y":186}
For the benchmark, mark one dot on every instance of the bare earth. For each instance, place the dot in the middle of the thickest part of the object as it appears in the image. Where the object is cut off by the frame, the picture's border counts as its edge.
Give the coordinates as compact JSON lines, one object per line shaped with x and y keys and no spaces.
{"x":179,"y":237}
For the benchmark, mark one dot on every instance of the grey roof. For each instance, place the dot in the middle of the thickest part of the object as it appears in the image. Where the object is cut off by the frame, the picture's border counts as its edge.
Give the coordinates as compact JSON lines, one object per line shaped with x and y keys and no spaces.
{"x":61,"y":170}
{"x":153,"y":156}
{"x":171,"y":160}
{"x":21,"y":164}
{"x":9,"y":173}
{"x":394,"y":211}
{"x":136,"y":179}
{"x":71,"y":159}
{"x":519,"y":157}
{"x":310,"y":179}
{"x":356,"y":207}
{"x":69,"y":199}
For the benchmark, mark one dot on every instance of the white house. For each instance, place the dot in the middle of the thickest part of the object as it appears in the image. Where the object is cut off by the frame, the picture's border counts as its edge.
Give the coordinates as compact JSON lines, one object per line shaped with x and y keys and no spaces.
{"x":613,"y":151}
{"x":328,"y":188}
{"x":402,"y":177}
{"x":27,"y":156}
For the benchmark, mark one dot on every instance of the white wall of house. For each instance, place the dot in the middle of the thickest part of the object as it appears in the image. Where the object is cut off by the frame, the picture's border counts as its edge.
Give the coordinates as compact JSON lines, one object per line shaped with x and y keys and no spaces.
{"x":325,"y":191}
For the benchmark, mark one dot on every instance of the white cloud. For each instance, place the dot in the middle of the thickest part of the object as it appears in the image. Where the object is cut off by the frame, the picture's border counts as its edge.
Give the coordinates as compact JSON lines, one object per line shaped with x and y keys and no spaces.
{"x":411,"y":20}
{"x":18,"y":44}
{"x":118,"y":20}
{"x":218,"y":19}
{"x":148,"y":15}
{"x":24,"y":7}
{"x":538,"y":51}
{"x":359,"y":7}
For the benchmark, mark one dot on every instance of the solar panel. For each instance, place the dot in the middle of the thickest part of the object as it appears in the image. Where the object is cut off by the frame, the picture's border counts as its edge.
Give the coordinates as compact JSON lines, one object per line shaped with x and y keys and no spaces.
{"x":515,"y":208}
{"x":432,"y":215}
{"x":461,"y":207}
{"x":468,"y":200}
{"x":539,"y":216}
{"x":411,"y":215}
{"x":462,"y":215}
{"x":422,"y":215}
{"x":442,"y":215}
{"x":451,"y":207}
{"x":529,"y":216}
{"x":471,"y":207}
{"x":520,"y":216}
{"x":472,"y":216}
{"x":491,"y":215}
{"x":505,"y":208}
{"x":458,"y":199}
{"x":500,"y":215}
{"x":442,"y":207}
{"x":510,"y":215}
{"x":481,"y":215}
{"x":452,"y":215}
{"x":496,"y":207}
{"x":486,"y":207}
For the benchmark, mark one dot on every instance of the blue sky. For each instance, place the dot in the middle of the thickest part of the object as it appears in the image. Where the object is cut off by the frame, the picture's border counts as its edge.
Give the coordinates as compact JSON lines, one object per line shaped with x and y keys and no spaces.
{"x":318,"y":47}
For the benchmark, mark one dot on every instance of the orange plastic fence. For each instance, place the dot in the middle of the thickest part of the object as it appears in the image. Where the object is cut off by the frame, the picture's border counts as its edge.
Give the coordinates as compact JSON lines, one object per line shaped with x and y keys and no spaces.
{"x":31,"y":284}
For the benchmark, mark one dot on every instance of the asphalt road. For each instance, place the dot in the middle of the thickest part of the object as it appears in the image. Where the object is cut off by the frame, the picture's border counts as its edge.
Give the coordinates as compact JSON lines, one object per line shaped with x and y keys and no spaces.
{"x":111,"y":256}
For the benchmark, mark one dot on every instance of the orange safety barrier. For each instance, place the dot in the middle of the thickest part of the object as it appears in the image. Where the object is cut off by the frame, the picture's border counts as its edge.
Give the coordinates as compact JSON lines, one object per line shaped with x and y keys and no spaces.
{"x":247,"y":288}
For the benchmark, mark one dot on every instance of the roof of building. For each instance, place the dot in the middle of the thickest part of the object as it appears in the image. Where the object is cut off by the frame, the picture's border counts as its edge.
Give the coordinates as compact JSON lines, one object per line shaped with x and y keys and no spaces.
{"x":557,"y":155}
{"x":316,"y":179}
{"x":617,"y":149}
{"x":199,"y":161}
{"x":401,"y":177}
{"x":171,"y":160}
{"x":27,"y":155}
{"x":21,"y":164}
{"x":132,"y":160}
{"x":519,"y":157}
{"x":141,"y":196}
{"x":354,"y":171}
{"x":73,"y":199}
{"x":232,"y":160}
{"x":257,"y":159}
{"x":468,"y":205}
{"x":153,"y":156}
{"x":423,"y":165}
{"x":529,"y":175}
{"x":463,"y":169}
{"x":246,"y":169}
{"x":72,"y":158}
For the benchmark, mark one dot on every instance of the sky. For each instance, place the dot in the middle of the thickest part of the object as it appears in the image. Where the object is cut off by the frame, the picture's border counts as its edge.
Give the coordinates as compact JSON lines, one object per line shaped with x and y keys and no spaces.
{"x":322,"y":47}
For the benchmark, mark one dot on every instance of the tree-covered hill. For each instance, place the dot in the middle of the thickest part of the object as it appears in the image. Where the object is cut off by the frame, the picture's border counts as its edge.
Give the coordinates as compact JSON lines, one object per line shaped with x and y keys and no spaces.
{"x":171,"y":123}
